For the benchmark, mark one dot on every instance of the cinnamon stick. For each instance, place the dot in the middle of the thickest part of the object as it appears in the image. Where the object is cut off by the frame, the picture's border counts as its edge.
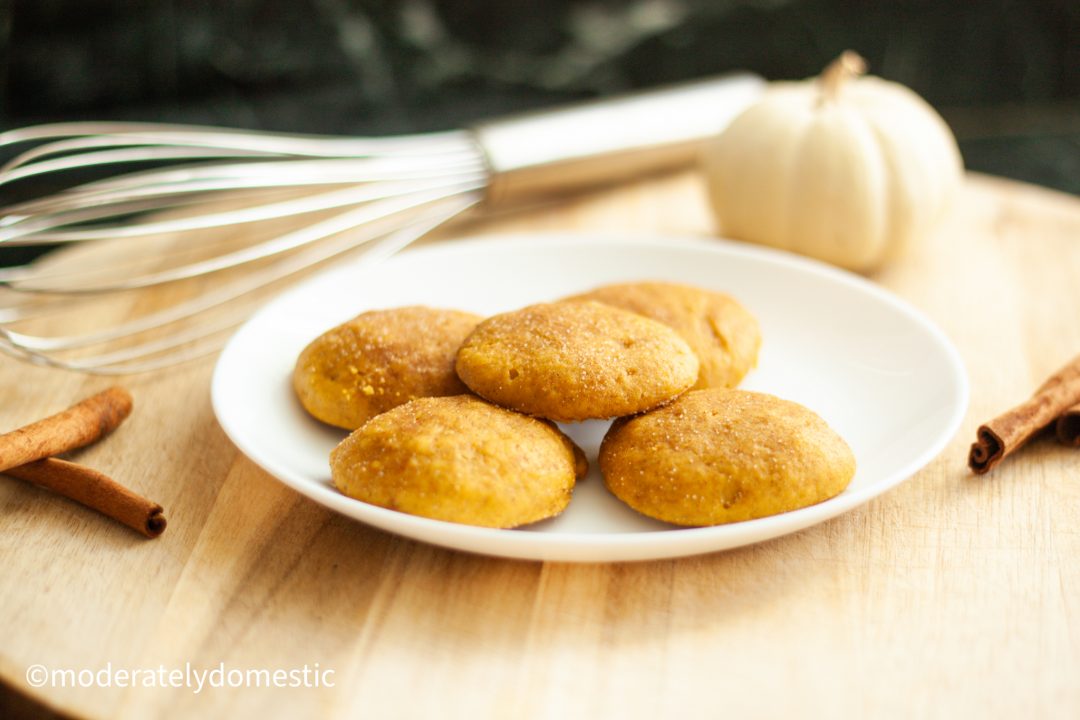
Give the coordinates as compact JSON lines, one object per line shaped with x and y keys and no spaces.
{"x":26,"y":453}
{"x":1068,"y":426}
{"x":1007,"y":433}
{"x":94,"y":490}
{"x":75,"y":427}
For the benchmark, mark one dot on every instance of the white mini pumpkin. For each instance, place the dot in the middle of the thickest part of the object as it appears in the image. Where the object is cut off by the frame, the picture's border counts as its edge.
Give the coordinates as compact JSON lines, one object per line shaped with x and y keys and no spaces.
{"x":843,"y":168}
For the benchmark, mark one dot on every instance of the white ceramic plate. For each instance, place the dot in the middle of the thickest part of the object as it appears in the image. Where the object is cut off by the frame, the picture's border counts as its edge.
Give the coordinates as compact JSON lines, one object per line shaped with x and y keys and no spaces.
{"x":879,"y":372}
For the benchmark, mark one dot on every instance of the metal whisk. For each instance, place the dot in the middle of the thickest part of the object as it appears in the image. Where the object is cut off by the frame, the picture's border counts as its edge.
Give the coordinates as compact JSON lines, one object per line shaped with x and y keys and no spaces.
{"x":226,"y":217}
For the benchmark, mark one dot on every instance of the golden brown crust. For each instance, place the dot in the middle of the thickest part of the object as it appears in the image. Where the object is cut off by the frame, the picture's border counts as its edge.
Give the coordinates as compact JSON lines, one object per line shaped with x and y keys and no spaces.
{"x":459,"y":459}
{"x":379,"y":360}
{"x":723,"y":334}
{"x":575,"y":361}
{"x":718,"y":456}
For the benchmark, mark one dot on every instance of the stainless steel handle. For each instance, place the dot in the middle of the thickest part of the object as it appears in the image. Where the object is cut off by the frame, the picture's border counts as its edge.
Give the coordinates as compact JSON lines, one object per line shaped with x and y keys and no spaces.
{"x":554,"y":152}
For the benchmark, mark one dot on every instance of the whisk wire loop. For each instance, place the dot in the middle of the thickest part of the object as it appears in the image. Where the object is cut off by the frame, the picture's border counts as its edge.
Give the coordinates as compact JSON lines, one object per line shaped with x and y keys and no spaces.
{"x":381,"y":194}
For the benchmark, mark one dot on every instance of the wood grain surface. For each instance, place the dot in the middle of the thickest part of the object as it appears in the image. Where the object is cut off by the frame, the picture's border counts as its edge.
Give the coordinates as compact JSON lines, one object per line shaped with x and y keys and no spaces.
{"x":949,"y":596}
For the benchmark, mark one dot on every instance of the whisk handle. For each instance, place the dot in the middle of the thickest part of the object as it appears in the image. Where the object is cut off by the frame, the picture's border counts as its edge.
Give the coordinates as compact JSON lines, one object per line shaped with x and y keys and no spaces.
{"x":555,"y":152}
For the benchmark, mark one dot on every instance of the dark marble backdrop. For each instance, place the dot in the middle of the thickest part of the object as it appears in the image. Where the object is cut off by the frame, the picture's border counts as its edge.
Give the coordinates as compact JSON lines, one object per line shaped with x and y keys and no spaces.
{"x":1005,"y":74}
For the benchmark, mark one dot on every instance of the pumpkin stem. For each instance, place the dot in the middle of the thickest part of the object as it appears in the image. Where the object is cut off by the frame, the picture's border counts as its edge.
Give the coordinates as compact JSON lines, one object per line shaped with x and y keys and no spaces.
{"x":849,"y":65}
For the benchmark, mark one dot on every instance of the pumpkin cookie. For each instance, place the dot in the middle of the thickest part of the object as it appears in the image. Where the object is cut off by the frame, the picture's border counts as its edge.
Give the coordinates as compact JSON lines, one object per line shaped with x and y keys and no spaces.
{"x":459,"y":459}
{"x":575,"y":361}
{"x":719,"y":456}
{"x":379,"y":360}
{"x":725,"y":337}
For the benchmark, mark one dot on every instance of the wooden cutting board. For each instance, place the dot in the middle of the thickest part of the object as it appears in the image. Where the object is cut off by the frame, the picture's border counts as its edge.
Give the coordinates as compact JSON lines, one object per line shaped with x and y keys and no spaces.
{"x":948,"y":596}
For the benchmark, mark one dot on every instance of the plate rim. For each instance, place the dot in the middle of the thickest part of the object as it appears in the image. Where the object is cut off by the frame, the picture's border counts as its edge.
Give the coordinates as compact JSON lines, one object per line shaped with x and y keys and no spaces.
{"x":575,"y":546}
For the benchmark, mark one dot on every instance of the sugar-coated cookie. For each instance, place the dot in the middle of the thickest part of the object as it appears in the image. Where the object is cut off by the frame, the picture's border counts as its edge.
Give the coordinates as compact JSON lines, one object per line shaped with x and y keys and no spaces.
{"x":575,"y":361}
{"x":718,"y":456}
{"x":379,"y":360}
{"x":722,"y":333}
{"x":459,"y":459}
